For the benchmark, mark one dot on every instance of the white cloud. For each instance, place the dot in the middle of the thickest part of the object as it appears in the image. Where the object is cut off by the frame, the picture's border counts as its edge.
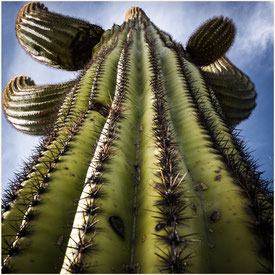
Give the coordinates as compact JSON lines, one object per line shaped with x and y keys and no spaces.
{"x":255,"y":33}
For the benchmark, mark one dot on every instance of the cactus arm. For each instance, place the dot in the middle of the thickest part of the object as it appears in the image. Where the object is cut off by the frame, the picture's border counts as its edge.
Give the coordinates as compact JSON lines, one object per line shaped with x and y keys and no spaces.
{"x":211,"y":41}
{"x":58,"y":41}
{"x":232,"y":87}
{"x":206,"y":48}
{"x":33,"y":109}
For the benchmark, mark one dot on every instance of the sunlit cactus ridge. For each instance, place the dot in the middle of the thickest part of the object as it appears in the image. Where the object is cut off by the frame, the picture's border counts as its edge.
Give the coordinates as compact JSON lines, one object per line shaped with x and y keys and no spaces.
{"x":140,"y":169}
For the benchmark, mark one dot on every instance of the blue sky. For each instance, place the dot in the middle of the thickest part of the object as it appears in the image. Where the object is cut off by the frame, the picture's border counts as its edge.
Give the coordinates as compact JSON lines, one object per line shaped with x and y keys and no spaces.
{"x":252,"y":52}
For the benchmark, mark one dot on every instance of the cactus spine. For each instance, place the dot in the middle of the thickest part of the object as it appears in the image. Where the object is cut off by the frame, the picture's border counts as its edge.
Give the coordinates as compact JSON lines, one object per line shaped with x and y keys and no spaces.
{"x":141,"y":171}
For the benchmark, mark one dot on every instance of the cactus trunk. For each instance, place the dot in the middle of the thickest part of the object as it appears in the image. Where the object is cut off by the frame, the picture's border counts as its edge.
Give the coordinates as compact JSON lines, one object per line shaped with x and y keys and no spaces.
{"x":141,"y":171}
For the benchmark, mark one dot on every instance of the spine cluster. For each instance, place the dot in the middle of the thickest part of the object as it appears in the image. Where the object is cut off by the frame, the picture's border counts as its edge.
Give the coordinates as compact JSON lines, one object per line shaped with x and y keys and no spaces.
{"x":171,"y":206}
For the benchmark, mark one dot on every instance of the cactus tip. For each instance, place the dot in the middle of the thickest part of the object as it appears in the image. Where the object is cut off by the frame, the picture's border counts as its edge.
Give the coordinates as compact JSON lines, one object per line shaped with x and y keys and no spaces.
{"x":134,"y":12}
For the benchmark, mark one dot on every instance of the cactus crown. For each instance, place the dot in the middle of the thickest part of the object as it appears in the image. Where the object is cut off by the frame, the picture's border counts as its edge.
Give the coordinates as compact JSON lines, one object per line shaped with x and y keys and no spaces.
{"x":133,"y":13}
{"x":141,"y":171}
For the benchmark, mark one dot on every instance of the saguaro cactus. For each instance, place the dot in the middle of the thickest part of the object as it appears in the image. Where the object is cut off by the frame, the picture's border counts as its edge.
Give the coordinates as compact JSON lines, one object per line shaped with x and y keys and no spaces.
{"x":140,"y":170}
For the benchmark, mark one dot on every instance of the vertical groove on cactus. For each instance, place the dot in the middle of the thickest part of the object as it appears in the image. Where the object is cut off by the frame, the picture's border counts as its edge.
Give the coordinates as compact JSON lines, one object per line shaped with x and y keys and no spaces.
{"x":141,"y":171}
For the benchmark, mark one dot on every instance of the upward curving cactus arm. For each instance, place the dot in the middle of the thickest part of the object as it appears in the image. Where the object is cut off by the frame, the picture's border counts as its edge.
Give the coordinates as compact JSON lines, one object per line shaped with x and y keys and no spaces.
{"x":211,"y":41}
{"x":33,"y":109}
{"x":58,"y":41}
{"x":232,"y":87}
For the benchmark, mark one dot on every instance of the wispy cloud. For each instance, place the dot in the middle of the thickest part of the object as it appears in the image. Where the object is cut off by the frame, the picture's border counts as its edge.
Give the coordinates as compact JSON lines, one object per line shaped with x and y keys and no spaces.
{"x":255,"y":33}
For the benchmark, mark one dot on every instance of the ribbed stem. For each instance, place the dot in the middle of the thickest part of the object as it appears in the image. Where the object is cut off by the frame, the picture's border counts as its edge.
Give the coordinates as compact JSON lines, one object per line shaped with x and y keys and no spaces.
{"x":33,"y":109}
{"x":141,"y":172}
{"x":210,"y":41}
{"x":58,"y":41}
{"x":206,"y":167}
{"x":232,"y":87}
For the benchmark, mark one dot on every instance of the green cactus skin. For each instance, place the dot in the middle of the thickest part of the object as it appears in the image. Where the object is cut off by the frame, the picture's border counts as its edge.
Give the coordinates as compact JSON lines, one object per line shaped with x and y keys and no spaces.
{"x":141,"y":171}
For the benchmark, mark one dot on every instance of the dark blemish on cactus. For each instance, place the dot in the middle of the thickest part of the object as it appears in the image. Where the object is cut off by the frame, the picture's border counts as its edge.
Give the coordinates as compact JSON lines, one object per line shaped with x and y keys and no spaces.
{"x":218,"y":178}
{"x":210,"y":245}
{"x":130,"y":269}
{"x":159,"y":226}
{"x":196,"y":187}
{"x":193,"y":206}
{"x":60,"y":241}
{"x":234,"y":214}
{"x":217,"y":171}
{"x":66,"y":168}
{"x":215,"y":216}
{"x":117,"y":225}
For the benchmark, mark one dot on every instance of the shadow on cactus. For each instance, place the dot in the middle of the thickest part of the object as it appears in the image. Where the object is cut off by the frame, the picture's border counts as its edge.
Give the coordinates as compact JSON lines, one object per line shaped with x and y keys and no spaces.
{"x":140,"y":170}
